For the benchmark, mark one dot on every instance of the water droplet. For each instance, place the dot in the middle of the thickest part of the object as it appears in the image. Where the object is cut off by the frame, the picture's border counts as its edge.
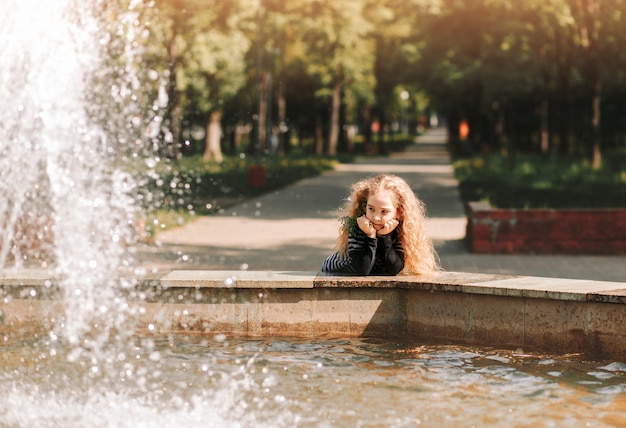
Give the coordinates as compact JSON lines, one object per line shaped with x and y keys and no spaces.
{"x":74,"y":355}
{"x":244,"y":266}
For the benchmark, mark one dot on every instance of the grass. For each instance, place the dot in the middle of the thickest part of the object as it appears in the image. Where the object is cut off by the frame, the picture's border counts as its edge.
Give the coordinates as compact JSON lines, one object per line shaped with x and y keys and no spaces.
{"x":178,"y":192}
{"x":535,"y":181}
{"x":229,"y":180}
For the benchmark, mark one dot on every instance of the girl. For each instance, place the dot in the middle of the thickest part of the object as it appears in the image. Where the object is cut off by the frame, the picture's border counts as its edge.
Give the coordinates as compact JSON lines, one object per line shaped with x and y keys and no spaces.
{"x":383,"y":231}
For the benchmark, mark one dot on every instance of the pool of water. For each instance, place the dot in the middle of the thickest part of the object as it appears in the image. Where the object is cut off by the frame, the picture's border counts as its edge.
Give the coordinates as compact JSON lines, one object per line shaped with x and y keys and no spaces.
{"x":196,"y":381}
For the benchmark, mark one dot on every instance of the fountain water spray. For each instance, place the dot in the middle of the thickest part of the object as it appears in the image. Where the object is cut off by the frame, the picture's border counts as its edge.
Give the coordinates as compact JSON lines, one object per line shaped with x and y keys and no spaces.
{"x":71,"y":116}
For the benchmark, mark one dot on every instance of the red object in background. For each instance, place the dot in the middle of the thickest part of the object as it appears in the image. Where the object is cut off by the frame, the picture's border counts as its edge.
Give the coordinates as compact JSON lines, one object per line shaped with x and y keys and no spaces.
{"x":463,"y":130}
{"x":256,"y":177}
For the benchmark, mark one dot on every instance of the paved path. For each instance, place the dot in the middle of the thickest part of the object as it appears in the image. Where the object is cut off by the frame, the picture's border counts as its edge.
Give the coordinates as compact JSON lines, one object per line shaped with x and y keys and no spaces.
{"x":295,"y":228}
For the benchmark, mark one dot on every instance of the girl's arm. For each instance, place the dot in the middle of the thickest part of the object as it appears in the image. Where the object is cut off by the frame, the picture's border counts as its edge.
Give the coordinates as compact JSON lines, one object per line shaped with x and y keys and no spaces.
{"x":394,"y":254}
{"x":359,"y":260}
{"x":361,"y":252}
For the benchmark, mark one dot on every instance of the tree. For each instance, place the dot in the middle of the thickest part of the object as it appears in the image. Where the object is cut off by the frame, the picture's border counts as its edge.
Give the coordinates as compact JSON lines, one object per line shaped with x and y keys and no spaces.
{"x":586,"y":14}
{"x":207,"y":48}
{"x":525,"y":75}
{"x":393,"y":31}
{"x":128,"y":96}
{"x":337,"y":53}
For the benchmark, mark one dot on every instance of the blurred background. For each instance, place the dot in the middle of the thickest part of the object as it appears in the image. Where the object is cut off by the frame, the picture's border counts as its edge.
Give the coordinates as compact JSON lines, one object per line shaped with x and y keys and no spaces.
{"x":537,"y":86}
{"x":541,"y":76}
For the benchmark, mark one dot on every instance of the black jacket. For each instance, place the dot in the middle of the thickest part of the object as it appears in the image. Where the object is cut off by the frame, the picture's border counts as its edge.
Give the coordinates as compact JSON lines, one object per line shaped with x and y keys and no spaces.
{"x":368,"y":256}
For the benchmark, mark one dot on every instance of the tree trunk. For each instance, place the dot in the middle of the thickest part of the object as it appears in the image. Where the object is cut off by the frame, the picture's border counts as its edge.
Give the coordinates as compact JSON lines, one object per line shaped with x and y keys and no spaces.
{"x":350,"y":134}
{"x":212,"y":147}
{"x":333,"y":134}
{"x":319,"y":135}
{"x":595,"y":126}
{"x":367,"y":126}
{"x":564,"y":65}
{"x":545,"y":131}
{"x":282,"y":119}
{"x":499,"y":134}
{"x":175,"y":119}
{"x":382,"y":119}
{"x":588,"y":24}
{"x":173,"y":111}
{"x":262,"y":129}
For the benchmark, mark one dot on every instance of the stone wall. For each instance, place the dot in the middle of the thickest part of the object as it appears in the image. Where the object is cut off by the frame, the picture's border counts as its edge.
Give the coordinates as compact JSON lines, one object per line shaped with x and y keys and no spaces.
{"x":555,"y":315}
{"x":545,"y":231}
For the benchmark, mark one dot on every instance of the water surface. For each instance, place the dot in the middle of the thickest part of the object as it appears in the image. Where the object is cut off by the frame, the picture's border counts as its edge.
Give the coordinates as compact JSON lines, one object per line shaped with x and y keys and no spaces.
{"x":289,"y":382}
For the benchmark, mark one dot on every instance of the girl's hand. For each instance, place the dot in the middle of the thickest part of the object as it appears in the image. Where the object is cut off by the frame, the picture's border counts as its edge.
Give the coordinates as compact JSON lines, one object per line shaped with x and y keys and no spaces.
{"x":366,"y":226}
{"x":388,"y":227}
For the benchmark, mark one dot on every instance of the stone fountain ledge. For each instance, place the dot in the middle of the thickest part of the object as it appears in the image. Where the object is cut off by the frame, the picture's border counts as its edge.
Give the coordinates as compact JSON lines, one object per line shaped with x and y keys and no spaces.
{"x":488,"y":284}
{"x":458,"y":282}
{"x":533,"y":313}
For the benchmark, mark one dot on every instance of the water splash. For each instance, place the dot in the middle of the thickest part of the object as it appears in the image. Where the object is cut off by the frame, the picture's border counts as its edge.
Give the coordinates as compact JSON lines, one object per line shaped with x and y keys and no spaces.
{"x":75,"y":108}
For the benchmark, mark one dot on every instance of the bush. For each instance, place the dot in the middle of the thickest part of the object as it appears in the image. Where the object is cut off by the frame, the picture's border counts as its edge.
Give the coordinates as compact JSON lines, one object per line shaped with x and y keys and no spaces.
{"x":179,"y":191}
{"x":535,"y":181}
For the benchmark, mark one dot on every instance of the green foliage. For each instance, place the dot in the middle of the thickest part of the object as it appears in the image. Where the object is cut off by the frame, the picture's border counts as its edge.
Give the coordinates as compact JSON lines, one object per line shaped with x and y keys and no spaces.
{"x":533,"y":181}
{"x":513,"y":69}
{"x":197,"y":187}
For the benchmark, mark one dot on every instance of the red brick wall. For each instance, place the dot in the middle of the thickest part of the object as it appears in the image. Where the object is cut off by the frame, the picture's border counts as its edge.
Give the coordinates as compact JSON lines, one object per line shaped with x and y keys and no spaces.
{"x":545,"y":231}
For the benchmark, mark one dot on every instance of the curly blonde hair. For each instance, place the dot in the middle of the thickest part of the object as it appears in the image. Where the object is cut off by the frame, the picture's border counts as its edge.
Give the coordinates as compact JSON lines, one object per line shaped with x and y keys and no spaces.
{"x":419,"y":252}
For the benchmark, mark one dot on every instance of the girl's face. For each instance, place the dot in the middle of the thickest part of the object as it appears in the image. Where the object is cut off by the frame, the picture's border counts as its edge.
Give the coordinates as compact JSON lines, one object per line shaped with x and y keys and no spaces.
{"x":380,"y":209}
